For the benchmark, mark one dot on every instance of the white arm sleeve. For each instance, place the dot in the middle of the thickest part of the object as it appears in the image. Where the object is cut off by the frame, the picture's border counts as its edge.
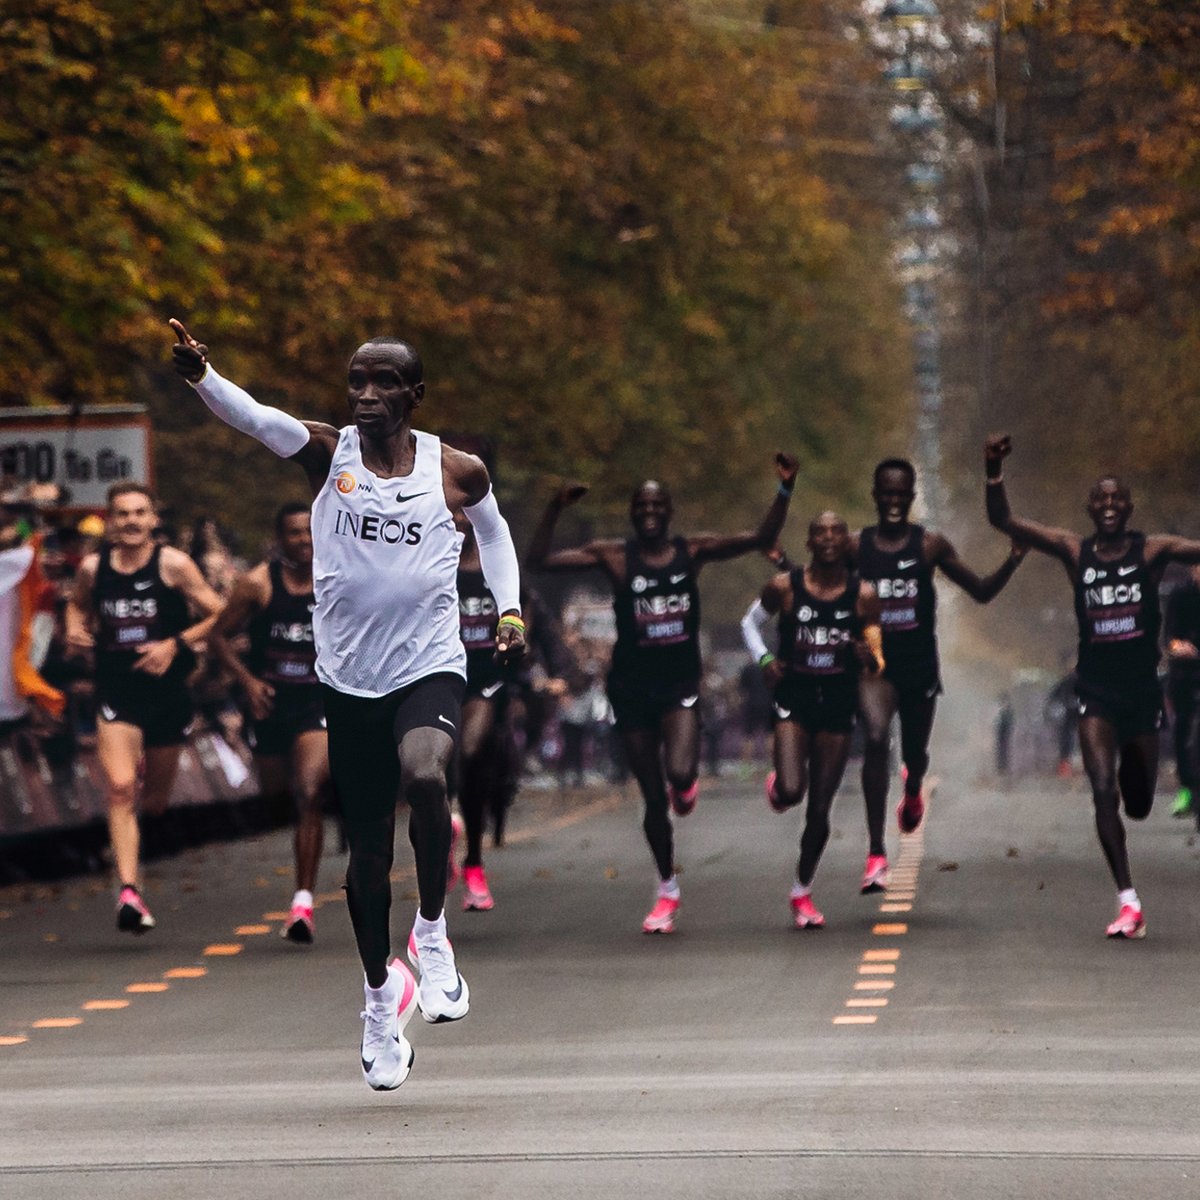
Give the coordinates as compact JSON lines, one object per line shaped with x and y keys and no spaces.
{"x":277,"y":430}
{"x":753,"y":622}
{"x":497,"y":554}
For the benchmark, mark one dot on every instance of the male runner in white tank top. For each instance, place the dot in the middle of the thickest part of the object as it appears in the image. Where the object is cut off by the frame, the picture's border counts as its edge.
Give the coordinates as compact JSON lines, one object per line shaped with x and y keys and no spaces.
{"x":389,"y":656}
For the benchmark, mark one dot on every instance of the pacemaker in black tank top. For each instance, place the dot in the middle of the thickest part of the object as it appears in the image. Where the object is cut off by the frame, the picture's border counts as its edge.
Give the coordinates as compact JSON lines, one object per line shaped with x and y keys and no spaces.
{"x":907,"y":597}
{"x":816,"y":637}
{"x":1117,"y":607}
{"x":282,"y":651}
{"x":133,"y":610}
{"x":658,"y":620}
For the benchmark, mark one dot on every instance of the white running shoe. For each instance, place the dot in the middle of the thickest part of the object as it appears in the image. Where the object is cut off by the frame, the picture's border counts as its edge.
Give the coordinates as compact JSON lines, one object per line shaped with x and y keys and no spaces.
{"x":387,"y":1057}
{"x":442,"y":994}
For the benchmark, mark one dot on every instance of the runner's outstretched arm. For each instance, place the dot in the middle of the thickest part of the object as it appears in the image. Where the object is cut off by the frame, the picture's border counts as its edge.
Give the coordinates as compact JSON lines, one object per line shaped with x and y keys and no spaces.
{"x":310,"y":443}
{"x":1058,"y":543}
{"x":711,"y":547}
{"x":539,"y":556}
{"x":981,"y":589}
{"x":1165,"y":547}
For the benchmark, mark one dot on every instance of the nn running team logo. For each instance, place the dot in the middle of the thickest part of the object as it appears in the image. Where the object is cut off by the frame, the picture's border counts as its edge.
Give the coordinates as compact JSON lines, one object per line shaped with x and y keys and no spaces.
{"x":345,"y":483}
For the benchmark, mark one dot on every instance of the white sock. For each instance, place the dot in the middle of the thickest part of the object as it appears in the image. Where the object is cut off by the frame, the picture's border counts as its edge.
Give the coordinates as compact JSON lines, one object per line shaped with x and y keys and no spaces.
{"x":304,"y":898}
{"x":1129,"y":896}
{"x":427,"y":931}
{"x":799,"y":890}
{"x":668,"y":889}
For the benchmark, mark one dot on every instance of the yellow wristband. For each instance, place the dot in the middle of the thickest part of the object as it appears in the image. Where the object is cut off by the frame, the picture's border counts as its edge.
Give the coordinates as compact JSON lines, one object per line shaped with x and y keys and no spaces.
{"x":511,"y":622}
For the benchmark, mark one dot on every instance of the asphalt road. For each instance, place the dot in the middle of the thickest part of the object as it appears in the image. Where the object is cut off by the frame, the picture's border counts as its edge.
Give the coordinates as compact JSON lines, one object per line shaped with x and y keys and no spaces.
{"x":971,"y":1035}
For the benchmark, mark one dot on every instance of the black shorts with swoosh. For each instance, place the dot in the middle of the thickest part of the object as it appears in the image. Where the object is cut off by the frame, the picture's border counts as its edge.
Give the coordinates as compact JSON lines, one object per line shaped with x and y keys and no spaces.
{"x":364,"y":733}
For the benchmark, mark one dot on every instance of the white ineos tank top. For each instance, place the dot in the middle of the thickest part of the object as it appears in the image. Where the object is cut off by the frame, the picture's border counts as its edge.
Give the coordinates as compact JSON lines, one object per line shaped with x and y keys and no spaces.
{"x":385,"y":565}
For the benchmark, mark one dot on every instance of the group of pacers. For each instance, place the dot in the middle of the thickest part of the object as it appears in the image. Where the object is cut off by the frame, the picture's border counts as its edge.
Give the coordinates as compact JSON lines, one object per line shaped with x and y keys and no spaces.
{"x":382,"y":634}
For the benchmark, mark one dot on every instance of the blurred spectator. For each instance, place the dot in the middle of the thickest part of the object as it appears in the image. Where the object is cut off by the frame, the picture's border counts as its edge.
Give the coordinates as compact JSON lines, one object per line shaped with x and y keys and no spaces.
{"x":1062,"y":712}
{"x":210,"y":553}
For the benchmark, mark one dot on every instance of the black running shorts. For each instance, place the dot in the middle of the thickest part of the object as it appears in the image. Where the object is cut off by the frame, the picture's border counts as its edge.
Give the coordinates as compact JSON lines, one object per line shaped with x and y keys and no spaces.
{"x":163,"y":712}
{"x":820,"y":707}
{"x":639,"y":704}
{"x":916,"y":683}
{"x":275,"y":735}
{"x":1133,"y":713}
{"x":365,"y":734}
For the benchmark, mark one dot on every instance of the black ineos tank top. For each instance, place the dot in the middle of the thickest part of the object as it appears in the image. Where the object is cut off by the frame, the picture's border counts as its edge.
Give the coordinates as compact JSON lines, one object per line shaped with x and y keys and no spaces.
{"x":1116,"y":604}
{"x":132,"y":610}
{"x":816,"y":637}
{"x":477,"y":617}
{"x":658,"y":619}
{"x":282,"y":652}
{"x":907,"y":597}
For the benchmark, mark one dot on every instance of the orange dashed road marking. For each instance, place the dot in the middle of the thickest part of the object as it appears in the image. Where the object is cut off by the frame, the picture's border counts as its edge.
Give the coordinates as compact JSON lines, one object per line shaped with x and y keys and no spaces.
{"x":855,"y":1020}
{"x":139,"y":989}
{"x":867,"y":1002}
{"x":185,"y":973}
{"x":13,"y":1041}
{"x":889,"y":930}
{"x":223,"y":949}
{"x":276,"y":916}
{"x":251,"y":930}
{"x":895,"y":908}
{"x":105,"y":1005}
{"x":874,"y":985}
{"x":877,"y":969}
{"x":880,"y":955}
{"x":58,"y":1023}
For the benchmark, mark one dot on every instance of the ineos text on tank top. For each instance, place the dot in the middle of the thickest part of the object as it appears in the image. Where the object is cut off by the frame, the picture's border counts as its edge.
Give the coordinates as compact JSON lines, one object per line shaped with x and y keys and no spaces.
{"x":385,"y":561}
{"x":282,"y":651}
{"x":132,"y":610}
{"x":816,"y":637}
{"x":907,"y":596}
{"x":1116,"y":605}
{"x":658,"y":619}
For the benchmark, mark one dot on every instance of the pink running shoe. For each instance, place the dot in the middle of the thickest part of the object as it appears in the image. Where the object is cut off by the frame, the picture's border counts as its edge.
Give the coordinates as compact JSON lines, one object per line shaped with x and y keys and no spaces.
{"x":661,"y":918}
{"x":911,"y":812}
{"x":773,"y":796}
{"x":875,"y":874}
{"x":806,"y":913}
{"x":683,"y":803}
{"x":477,"y":896}
{"x":1129,"y":923}
{"x":457,"y":829}
{"x":132,"y":914}
{"x":300,"y":928}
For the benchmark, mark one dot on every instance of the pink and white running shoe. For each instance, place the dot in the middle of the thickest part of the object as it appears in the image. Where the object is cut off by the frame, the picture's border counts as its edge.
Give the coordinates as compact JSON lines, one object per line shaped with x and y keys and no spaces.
{"x":875,"y":874}
{"x":132,"y":914}
{"x":300,"y":928}
{"x":911,"y":812}
{"x":806,"y":914}
{"x":1129,"y":923}
{"x":683,"y":803}
{"x":385,"y":1053}
{"x":477,"y":896}
{"x":661,"y":918}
